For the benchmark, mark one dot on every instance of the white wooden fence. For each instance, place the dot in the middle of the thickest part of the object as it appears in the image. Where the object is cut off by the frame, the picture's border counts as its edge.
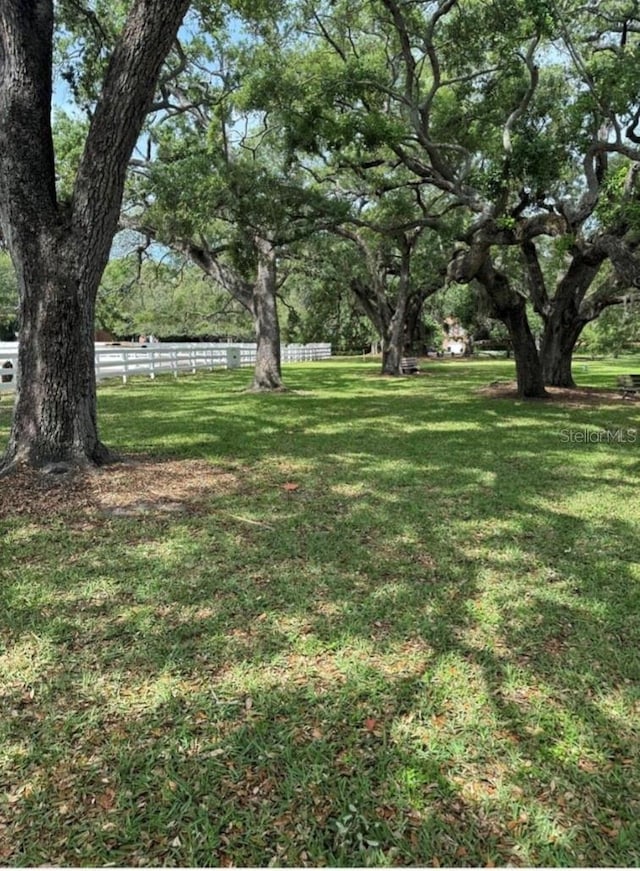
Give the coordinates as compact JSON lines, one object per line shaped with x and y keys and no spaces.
{"x":122,"y":361}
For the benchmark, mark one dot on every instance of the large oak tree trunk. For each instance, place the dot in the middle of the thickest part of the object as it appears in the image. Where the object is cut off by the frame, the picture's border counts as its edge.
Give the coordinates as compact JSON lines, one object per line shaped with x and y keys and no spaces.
{"x":60,"y":250}
{"x":391,"y":358}
{"x":564,"y":322}
{"x":509,"y":307}
{"x":556,"y":351}
{"x":267,"y":373}
{"x":393,"y":341}
{"x":528,"y":367}
{"x":565,"y":314}
{"x":258,"y":298}
{"x":416,"y":337}
{"x":55,"y":411}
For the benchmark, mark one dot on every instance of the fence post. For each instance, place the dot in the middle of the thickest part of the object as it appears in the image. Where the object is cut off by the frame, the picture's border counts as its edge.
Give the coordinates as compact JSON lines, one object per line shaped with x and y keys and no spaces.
{"x":233,"y":358}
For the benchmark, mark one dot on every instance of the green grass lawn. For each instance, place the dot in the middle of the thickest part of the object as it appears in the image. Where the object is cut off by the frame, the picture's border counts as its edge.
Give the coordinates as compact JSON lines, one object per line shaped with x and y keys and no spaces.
{"x":375,"y":622}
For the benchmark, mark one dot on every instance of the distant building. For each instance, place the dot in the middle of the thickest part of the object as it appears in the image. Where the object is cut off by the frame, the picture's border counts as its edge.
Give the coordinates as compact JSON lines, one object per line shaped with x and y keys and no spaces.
{"x":455,"y":339}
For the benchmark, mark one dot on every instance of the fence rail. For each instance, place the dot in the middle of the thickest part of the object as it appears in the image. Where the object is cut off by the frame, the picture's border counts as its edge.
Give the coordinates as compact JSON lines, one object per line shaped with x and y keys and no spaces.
{"x":122,"y":361}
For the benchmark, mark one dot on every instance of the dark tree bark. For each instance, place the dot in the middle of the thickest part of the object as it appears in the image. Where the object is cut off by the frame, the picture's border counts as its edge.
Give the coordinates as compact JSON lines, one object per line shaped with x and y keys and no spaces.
{"x":528,"y":368}
{"x":415,"y":337}
{"x":55,"y":411}
{"x":60,"y":249}
{"x":391,"y":359}
{"x":562,"y":314}
{"x":510,"y":308}
{"x":267,"y":373}
{"x":561,"y":333}
{"x":396,"y":334}
{"x":556,"y":351}
{"x":394,"y":337}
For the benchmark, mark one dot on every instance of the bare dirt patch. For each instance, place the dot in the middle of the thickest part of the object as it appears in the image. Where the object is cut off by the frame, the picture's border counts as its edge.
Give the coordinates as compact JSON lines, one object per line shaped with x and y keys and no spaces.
{"x":131,"y":487}
{"x":573,"y":396}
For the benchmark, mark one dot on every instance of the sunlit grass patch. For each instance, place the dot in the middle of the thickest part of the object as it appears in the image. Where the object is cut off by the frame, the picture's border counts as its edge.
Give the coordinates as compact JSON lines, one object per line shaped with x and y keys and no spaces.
{"x":26,"y":660}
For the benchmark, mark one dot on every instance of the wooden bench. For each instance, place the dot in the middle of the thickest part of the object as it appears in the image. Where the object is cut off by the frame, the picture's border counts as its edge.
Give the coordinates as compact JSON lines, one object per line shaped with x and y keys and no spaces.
{"x":409,"y":365}
{"x":629,"y":385}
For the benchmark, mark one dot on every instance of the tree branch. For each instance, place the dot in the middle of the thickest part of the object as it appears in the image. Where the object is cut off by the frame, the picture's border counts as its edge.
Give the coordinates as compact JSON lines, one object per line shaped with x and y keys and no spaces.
{"x":537,"y":284}
{"x":127,"y":94}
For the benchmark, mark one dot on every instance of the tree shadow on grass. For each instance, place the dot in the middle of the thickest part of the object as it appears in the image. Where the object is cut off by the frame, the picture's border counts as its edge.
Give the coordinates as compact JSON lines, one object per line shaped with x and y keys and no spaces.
{"x":415,"y":656}
{"x":360,"y":697}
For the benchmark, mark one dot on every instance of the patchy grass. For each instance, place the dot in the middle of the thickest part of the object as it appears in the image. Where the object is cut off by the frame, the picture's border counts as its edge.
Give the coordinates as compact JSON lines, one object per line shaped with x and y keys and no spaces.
{"x":369,"y":622}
